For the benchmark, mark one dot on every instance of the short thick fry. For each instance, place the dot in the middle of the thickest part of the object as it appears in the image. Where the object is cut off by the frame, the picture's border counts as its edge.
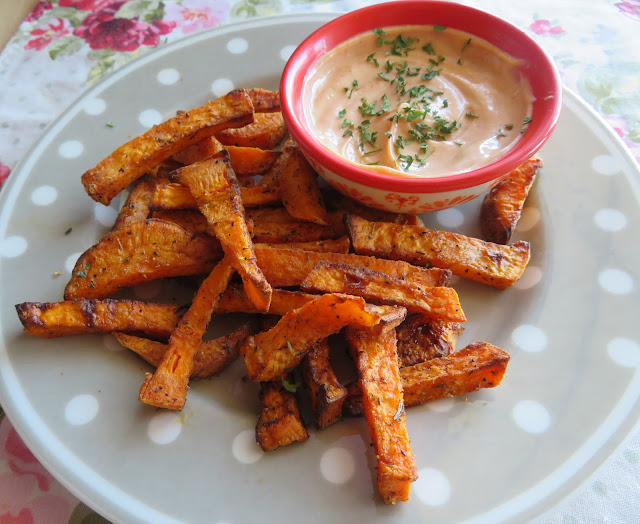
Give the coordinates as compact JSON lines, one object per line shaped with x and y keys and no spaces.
{"x":167,"y":387}
{"x":326,"y":393}
{"x":251,"y":161}
{"x":502,"y":206}
{"x":80,"y":316}
{"x":235,"y":300}
{"x":374,"y":352}
{"x":272,"y":354}
{"x":300,"y":192}
{"x":265,"y":132}
{"x":138,"y":156}
{"x":274,"y":224}
{"x":279,"y":422}
{"x":421,"y":339}
{"x":215,"y":189}
{"x":264,"y":101}
{"x":289,"y":267}
{"x":479,"y":365}
{"x":138,"y":204}
{"x":437,"y":303}
{"x":196,"y":152}
{"x":141,"y":252}
{"x":211,"y":357}
{"x":492,"y":264}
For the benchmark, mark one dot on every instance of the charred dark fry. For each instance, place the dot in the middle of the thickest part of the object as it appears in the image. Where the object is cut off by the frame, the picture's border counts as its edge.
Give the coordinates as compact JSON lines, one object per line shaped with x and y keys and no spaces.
{"x":280,"y":422}
{"x":76,"y":317}
{"x":421,"y":339}
{"x":502,"y":206}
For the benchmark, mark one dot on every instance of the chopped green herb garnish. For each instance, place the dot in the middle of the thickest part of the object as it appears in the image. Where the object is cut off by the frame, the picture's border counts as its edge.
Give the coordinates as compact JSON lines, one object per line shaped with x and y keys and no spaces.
{"x":372,"y":58}
{"x":439,"y":28}
{"x":349,"y":89}
{"x":428,"y":48}
{"x":464,"y":46}
{"x":291,"y":388}
{"x":341,"y":113}
{"x":110,"y":124}
{"x":471,"y":115}
{"x":81,"y":274}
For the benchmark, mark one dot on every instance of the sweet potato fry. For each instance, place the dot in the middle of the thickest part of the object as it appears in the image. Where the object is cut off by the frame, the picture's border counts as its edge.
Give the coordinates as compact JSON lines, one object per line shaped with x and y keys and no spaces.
{"x":279,"y":422}
{"x":176,"y":196}
{"x":374,"y":352}
{"x":337,"y":245}
{"x":196,"y":152}
{"x":235,"y":300}
{"x":272,"y":354}
{"x":215,"y":189}
{"x":138,"y":205}
{"x":211,"y":357}
{"x":479,"y":365}
{"x":438,"y":303}
{"x":274,"y":224}
{"x":251,"y":161}
{"x":289,"y":267}
{"x":265,"y":132}
{"x":141,"y":252}
{"x":76,"y":317}
{"x":133,"y":159}
{"x":190,"y":220}
{"x":300,"y":192}
{"x":167,"y":387}
{"x":492,"y":264}
{"x":264,"y":101}
{"x":421,"y":339}
{"x":326,"y":393}
{"x":502,"y":206}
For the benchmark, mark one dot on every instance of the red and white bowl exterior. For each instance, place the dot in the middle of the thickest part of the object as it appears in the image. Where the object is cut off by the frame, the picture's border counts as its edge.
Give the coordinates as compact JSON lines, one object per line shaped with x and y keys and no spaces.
{"x":412,"y":194}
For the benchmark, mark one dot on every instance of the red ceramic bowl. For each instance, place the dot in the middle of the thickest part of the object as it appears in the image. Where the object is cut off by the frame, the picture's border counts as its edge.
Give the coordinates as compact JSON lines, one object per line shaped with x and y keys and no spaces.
{"x":412,"y":194}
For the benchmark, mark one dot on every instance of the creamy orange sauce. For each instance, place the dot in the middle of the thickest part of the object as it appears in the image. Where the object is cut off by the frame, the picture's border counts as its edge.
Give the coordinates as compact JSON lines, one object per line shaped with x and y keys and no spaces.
{"x":417,"y":100}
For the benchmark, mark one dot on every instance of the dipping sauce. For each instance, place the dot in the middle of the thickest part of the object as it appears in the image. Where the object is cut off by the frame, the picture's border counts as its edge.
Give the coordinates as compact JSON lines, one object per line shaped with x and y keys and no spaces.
{"x":422,"y":101}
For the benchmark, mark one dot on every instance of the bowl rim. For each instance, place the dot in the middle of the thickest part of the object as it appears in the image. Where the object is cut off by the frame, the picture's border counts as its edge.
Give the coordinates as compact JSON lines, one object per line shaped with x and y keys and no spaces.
{"x":545,"y":112}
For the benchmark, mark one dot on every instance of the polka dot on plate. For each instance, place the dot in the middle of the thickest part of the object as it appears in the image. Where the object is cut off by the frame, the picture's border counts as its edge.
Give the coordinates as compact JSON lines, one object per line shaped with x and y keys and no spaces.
{"x":625,"y":352}
{"x":450,"y":217}
{"x":70,"y":263}
{"x":529,"y":218}
{"x":610,"y":219}
{"x":150,"y":117}
{"x":531,"y":416}
{"x":81,"y":409}
{"x":529,"y":338}
{"x":286,"y":52}
{"x":237,"y":46}
{"x":105,"y":215}
{"x":94,"y":106}
{"x":71,"y":149}
{"x":148,"y":290}
{"x":442,"y":405}
{"x":165,"y":427}
{"x":12,"y":247}
{"x":615,"y":281}
{"x":221,"y":86}
{"x":44,"y":195}
{"x":168,"y":76}
{"x":531,"y":276}
{"x":111,"y":343}
{"x":432,"y":487}
{"x":337,"y":465}
{"x":606,"y":165}
{"x":244,"y":447}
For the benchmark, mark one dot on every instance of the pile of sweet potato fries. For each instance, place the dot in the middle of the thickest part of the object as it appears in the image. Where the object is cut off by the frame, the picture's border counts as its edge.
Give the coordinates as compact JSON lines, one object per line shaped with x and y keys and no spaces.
{"x":221,"y":191}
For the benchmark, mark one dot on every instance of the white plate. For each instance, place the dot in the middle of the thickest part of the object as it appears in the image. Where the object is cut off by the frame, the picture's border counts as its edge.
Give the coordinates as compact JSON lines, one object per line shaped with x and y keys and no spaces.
{"x":569,"y":398}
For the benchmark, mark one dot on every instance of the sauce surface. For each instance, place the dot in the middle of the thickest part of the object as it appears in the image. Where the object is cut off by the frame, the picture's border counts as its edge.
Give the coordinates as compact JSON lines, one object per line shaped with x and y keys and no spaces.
{"x":417,"y":101}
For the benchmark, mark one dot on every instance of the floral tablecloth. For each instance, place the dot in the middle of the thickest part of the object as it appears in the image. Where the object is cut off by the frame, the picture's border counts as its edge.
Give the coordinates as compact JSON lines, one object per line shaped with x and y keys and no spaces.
{"x":64,"y":46}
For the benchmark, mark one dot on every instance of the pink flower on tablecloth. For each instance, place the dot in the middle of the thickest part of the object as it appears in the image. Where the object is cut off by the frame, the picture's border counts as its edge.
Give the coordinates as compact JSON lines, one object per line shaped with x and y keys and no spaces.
{"x":631,"y":8}
{"x":102,"y":30}
{"x":5,"y":171}
{"x":45,"y":35}
{"x":544,"y":27}
{"x":24,"y":497}
{"x":618,"y":124}
{"x":38,"y":11}
{"x":84,"y":5}
{"x":194,"y":15}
